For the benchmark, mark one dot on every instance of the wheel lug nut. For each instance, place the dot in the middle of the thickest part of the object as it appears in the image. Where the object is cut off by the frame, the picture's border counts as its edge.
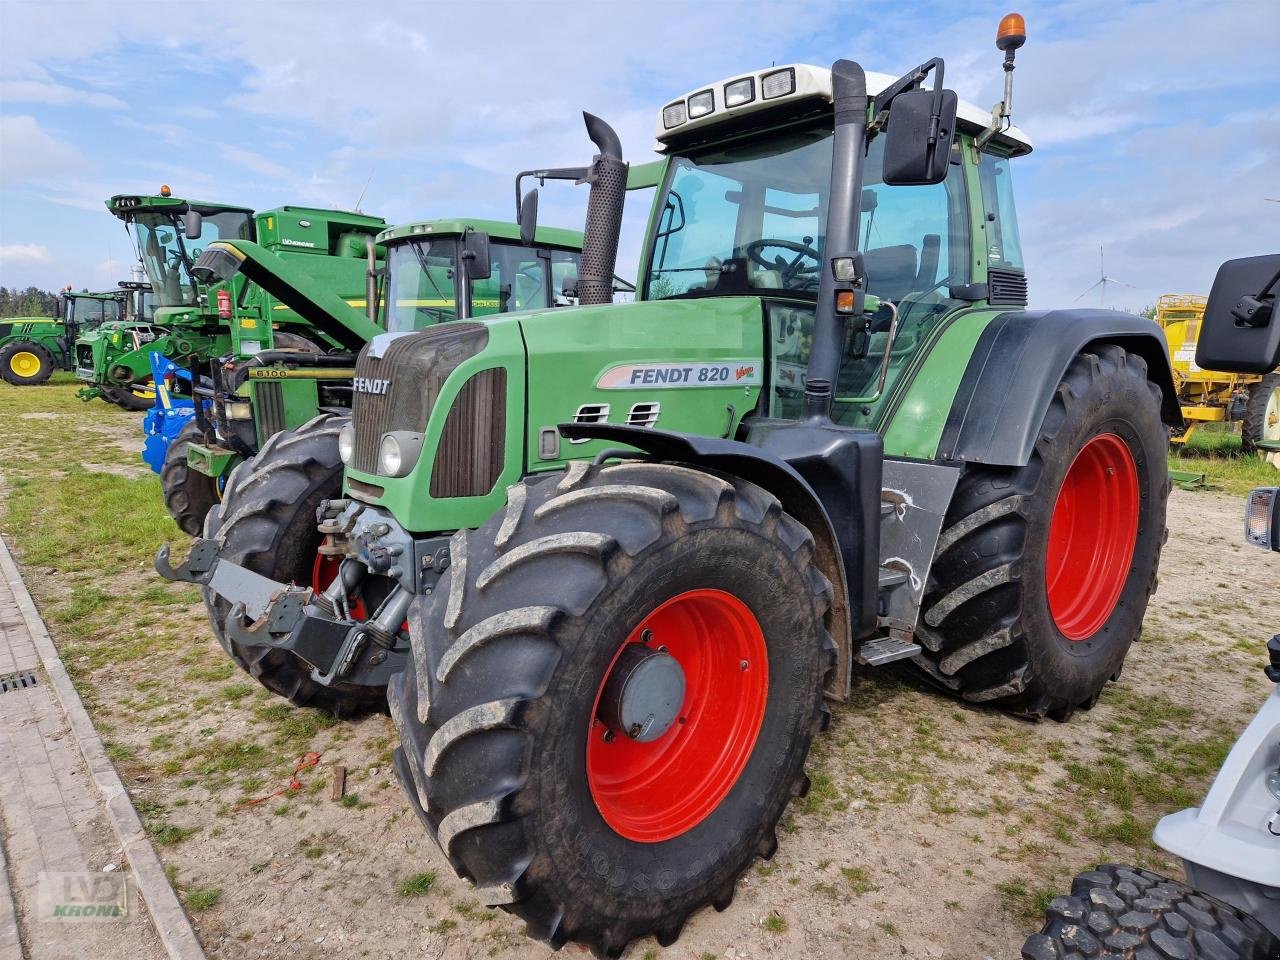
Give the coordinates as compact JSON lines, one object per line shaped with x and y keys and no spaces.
{"x":646,"y":636}
{"x":744,"y":666}
{"x":608,"y":736}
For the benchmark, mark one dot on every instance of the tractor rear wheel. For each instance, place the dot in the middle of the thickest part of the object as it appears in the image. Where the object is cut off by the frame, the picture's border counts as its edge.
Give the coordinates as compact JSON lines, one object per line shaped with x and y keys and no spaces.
{"x":612,"y":694}
{"x":267,"y":523}
{"x":1043,"y":572}
{"x":1262,"y":413}
{"x":25,"y":364}
{"x":189,"y":494}
{"x":1123,"y":913}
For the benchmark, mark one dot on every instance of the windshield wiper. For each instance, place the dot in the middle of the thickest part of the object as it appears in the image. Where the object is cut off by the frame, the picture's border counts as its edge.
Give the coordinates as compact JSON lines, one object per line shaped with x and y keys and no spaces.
{"x":422,"y":259}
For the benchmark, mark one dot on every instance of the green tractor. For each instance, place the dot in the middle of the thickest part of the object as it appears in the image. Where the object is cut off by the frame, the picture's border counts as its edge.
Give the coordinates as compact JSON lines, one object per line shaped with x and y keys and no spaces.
{"x":32,"y":348}
{"x":612,"y":560}
{"x":129,"y":332}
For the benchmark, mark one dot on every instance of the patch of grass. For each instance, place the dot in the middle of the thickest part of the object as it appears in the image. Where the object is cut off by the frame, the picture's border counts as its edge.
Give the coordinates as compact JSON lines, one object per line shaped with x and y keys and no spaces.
{"x":1223,"y":465}
{"x":443,"y":926}
{"x":419,"y":885}
{"x":1025,"y":902}
{"x":236,"y":691}
{"x":203,"y":899}
{"x":859,"y":880}
{"x":774,"y":922}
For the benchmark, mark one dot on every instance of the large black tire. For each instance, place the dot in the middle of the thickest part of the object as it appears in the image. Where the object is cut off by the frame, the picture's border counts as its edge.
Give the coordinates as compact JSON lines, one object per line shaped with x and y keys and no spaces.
{"x":189,"y":494}
{"x":1122,"y":913}
{"x":23,"y":349}
{"x":1258,"y":411}
{"x":495,"y":710}
{"x":986,"y":625}
{"x":131,"y":398}
{"x":267,"y":523}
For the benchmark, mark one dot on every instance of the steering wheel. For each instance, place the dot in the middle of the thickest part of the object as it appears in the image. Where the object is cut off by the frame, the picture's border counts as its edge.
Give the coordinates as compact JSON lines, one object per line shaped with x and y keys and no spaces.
{"x":788,"y":269}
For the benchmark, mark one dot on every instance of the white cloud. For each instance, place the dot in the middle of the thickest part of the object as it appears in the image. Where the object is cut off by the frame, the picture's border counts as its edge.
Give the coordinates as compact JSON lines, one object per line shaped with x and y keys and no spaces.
{"x":254,"y":161}
{"x":24,"y":253}
{"x":31,"y":154}
{"x":35,"y":91}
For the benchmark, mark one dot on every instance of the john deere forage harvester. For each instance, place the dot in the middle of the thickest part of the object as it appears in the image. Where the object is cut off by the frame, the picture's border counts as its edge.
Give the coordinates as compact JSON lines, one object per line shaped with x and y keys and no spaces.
{"x":634,"y":545}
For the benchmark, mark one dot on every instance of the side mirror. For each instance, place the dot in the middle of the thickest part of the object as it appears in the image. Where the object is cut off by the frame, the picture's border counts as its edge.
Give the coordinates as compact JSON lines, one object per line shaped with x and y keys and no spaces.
{"x":527,"y":217}
{"x":1240,"y":332}
{"x":475,"y":255}
{"x":909,"y":159}
{"x":193,"y":223}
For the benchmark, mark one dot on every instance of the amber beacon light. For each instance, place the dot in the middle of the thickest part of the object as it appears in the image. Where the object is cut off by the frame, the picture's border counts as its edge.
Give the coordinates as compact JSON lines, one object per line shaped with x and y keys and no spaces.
{"x":1012,"y":32}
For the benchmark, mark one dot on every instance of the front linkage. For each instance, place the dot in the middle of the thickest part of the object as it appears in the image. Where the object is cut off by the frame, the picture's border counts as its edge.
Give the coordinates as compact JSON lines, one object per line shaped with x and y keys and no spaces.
{"x":324,"y":627}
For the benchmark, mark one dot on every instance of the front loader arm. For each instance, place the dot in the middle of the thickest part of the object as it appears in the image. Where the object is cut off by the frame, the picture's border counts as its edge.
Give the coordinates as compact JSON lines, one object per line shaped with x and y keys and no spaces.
{"x":289,"y":283}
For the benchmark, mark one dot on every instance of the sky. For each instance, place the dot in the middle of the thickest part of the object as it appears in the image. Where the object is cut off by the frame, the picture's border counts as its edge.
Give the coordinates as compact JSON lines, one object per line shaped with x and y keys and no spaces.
{"x":1156,"y":125}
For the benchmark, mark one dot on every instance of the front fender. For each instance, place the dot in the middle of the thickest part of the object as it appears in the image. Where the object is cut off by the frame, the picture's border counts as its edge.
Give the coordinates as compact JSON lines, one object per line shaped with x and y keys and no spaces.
{"x":793,"y":459}
{"x":1016,"y":366}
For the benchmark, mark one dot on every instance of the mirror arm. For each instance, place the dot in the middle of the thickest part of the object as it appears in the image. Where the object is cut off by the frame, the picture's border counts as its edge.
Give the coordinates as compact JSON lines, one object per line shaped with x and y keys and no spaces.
{"x":578,"y":174}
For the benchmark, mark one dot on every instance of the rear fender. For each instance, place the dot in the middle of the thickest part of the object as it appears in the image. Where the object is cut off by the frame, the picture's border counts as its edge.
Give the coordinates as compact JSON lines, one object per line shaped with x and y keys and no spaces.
{"x":790,"y":457}
{"x":1016,"y":366}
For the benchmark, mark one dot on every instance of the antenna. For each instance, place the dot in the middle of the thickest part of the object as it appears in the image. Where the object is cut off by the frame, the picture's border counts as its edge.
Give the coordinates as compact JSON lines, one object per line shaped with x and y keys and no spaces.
{"x":1103,"y":280}
{"x":362,"y":192}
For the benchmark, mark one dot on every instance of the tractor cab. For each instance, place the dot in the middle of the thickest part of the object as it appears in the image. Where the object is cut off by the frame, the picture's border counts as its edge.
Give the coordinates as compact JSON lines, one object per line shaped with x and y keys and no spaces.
{"x":170,"y":234}
{"x":745,"y":206}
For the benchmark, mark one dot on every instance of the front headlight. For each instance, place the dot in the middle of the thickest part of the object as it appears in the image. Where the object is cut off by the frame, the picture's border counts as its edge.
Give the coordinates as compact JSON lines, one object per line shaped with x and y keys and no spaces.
{"x":346,"y":443}
{"x":390,"y":456}
{"x":398,"y":452}
{"x":239,"y":410}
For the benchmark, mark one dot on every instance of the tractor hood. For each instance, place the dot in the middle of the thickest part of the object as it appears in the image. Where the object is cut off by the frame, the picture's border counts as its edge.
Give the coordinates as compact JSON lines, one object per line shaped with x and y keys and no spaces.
{"x":290,"y":284}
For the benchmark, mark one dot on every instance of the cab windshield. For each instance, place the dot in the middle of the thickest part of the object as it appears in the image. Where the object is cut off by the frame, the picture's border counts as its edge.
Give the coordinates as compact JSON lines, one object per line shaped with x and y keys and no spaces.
{"x":91,"y":312}
{"x":167,"y":256}
{"x":422,"y":273}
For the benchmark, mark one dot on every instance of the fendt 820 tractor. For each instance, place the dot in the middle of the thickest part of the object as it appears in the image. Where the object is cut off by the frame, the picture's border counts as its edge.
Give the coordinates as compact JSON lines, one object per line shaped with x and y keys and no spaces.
{"x":611,"y":558}
{"x":32,"y":348}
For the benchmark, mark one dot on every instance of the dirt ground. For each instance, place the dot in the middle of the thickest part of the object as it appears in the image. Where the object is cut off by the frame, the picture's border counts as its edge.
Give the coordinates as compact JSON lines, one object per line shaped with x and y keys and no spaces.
{"x":934,"y":829}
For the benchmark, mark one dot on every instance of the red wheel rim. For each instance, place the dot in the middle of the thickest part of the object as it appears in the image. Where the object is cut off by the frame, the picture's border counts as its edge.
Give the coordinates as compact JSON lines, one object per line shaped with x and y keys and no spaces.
{"x":650,"y":792}
{"x":323,"y":573}
{"x":1092,"y":537}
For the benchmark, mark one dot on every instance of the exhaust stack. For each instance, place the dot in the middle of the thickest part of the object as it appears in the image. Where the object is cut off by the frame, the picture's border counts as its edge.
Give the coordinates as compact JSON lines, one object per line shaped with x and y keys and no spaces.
{"x":608,"y":178}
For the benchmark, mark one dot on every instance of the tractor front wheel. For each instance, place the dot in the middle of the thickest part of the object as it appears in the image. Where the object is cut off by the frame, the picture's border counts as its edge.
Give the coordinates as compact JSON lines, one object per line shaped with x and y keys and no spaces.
{"x":1262,"y":413}
{"x":1123,"y":913}
{"x":137,"y":397}
{"x":25,"y":364}
{"x":267,"y":523}
{"x":188,"y":494}
{"x":612,"y":694}
{"x":1043,"y":572}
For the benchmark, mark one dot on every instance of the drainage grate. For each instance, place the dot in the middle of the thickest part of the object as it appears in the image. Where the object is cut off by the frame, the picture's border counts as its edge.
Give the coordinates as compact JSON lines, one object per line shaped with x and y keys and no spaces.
{"x":17,"y":681}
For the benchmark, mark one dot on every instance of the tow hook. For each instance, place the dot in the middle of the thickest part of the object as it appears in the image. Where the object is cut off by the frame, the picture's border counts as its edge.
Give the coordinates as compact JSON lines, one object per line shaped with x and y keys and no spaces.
{"x":197,"y":568}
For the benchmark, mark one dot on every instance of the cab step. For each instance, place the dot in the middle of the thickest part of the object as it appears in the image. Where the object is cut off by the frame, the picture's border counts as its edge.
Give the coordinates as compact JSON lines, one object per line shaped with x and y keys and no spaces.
{"x":882,"y":650}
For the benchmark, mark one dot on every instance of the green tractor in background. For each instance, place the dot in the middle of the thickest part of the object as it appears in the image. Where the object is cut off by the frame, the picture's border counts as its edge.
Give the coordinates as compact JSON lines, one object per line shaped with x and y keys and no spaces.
{"x":610,"y":560}
{"x":194,"y":323}
{"x":437,"y":271}
{"x":32,"y":348}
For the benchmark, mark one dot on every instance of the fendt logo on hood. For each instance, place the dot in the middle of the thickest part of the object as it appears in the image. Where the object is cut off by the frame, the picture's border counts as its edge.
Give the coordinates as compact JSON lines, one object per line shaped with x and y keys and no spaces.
{"x":375,"y":386}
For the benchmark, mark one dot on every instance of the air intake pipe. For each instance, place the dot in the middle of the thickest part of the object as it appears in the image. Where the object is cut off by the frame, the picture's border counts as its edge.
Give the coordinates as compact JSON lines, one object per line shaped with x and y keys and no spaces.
{"x":608,"y":178}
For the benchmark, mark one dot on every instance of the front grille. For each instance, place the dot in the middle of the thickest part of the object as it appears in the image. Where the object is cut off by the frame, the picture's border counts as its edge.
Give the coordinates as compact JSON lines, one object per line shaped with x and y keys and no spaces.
{"x":268,"y":409}
{"x":414,"y":367}
{"x":472,"y":447}
{"x":1006,"y":286}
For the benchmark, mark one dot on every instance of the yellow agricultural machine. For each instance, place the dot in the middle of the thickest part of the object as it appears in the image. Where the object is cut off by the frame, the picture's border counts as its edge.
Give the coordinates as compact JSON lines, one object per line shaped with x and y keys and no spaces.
{"x":1242,"y":403}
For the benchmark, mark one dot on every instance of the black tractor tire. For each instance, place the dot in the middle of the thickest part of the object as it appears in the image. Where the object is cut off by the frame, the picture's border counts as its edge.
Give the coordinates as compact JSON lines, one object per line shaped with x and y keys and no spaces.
{"x":42,"y":373}
{"x":189,"y":495}
{"x":266,"y":522}
{"x":1255,"y":426}
{"x":1123,"y":913}
{"x":495,"y":709}
{"x":986,"y":627}
{"x":127,"y":399}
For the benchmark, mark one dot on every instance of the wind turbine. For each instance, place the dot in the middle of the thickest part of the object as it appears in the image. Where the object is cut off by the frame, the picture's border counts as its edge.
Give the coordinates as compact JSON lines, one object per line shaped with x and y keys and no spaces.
{"x":1103,"y":280}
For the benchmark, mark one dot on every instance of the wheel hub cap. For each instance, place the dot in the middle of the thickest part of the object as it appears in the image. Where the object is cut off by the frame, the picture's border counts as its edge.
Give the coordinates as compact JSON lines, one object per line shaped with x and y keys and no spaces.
{"x":643,"y":694}
{"x":25,"y":363}
{"x":1092,"y":537}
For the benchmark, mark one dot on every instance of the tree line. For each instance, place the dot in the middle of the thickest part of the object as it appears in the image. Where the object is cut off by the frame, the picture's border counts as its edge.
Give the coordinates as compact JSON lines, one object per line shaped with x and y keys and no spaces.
{"x":31,"y":302}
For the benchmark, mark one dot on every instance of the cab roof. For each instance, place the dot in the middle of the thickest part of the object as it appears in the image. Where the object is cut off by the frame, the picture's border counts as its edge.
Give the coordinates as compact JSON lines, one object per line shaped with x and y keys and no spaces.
{"x":497,"y":229}
{"x":810,"y":83}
